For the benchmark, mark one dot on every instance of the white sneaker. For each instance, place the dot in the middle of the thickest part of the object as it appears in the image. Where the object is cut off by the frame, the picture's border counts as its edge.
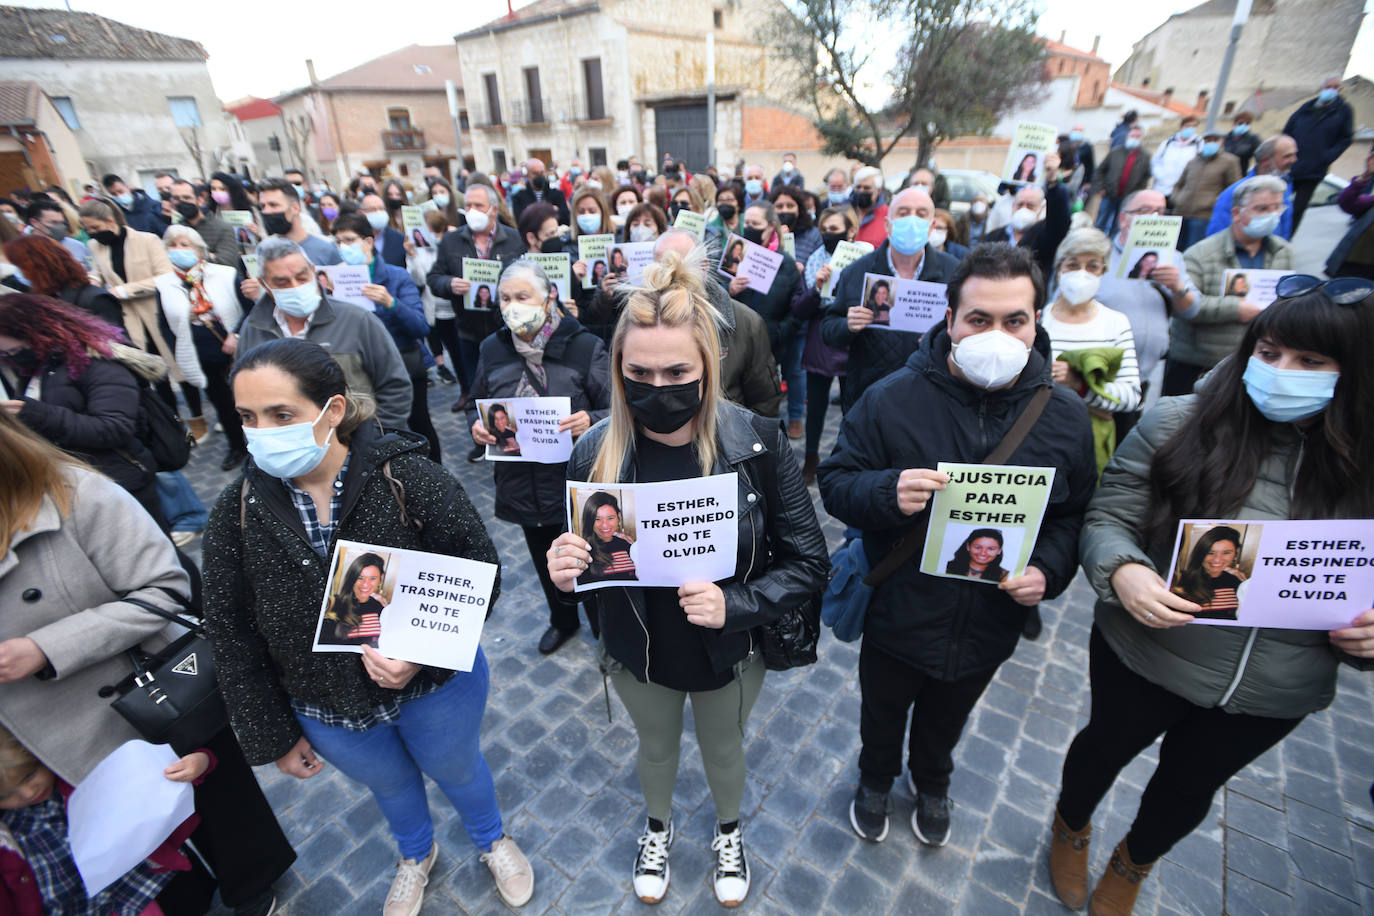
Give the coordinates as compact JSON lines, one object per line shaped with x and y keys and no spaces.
{"x":732,"y":868}
{"x":651,"y":864}
{"x":510,"y":868}
{"x":408,"y":887}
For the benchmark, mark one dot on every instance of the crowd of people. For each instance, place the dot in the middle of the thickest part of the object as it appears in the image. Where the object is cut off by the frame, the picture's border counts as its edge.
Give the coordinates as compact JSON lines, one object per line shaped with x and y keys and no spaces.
{"x":1155,"y":394}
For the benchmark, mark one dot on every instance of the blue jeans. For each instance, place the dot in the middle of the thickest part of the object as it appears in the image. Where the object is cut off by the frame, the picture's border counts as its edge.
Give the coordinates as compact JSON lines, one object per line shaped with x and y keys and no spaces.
{"x":1106,"y":215}
{"x":180,"y":505}
{"x":437,"y":735}
{"x":468,"y":352}
{"x":795,"y":377}
{"x":1194,"y":231}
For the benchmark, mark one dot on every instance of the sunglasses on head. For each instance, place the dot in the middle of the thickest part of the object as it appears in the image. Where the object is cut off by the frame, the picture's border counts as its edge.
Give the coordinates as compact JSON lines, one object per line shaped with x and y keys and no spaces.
{"x":1341,"y":290}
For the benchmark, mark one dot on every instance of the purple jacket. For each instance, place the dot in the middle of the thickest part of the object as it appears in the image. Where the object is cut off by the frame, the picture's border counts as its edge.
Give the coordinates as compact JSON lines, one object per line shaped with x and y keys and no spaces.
{"x":1356,"y":198}
{"x":818,"y":356}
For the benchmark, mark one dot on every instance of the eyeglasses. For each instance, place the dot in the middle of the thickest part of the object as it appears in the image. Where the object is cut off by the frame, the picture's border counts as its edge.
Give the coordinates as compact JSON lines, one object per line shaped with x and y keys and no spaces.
{"x":1147,"y":211}
{"x":1341,"y":290}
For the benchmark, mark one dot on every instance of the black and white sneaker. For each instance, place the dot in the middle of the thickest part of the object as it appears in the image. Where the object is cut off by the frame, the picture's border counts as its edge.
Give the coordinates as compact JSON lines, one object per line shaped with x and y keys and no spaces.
{"x":651,"y":864}
{"x":868,"y":814}
{"x":732,"y":868}
{"x":930,"y":819}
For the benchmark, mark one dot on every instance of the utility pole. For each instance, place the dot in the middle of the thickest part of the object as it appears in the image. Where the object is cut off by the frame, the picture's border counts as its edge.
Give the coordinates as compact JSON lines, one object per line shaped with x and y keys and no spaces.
{"x":710,"y":104}
{"x":1218,"y":100}
{"x":452,"y":92}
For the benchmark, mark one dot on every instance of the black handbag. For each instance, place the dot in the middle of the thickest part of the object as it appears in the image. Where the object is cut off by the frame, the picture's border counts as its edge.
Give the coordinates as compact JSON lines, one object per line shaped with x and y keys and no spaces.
{"x":172,"y":696}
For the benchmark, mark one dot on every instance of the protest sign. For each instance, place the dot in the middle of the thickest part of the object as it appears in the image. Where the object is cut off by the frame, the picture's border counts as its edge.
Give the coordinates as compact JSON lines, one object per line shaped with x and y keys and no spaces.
{"x":527,"y":428}
{"x":789,"y":244}
{"x":419,"y":607}
{"x":1026,"y":156}
{"x":484,"y":276}
{"x":1296,"y":575}
{"x":591,"y":250}
{"x":416,"y":231}
{"x":903,"y":305}
{"x":558,"y":268}
{"x":428,"y":205}
{"x":251,"y":265}
{"x":1257,"y":286}
{"x":983,"y":525}
{"x":348,"y":281}
{"x":694,"y":223}
{"x":846,"y":253}
{"x":1150,"y":243}
{"x":628,"y":260}
{"x":743,"y":258}
{"x":657,"y":534}
{"x":241,"y":220}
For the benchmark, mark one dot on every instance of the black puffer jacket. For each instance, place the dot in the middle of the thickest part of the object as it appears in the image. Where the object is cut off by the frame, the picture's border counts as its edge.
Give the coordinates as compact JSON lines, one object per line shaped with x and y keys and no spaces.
{"x":263,"y":583}
{"x":874,"y":354}
{"x":775,"y":306}
{"x":781,"y":551}
{"x":96,"y":416}
{"x":916,"y":418}
{"x":576,"y":365}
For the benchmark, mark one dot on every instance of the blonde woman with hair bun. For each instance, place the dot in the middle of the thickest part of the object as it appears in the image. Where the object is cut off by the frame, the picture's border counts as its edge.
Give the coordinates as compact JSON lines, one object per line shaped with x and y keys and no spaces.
{"x":668,"y":421}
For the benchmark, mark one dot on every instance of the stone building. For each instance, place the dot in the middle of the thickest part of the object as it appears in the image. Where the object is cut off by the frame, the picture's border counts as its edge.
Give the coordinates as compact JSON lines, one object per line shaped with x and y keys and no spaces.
{"x":1285,"y":45}
{"x":37,"y":148}
{"x":138,"y":102}
{"x":604,"y":79}
{"x":388,"y":116}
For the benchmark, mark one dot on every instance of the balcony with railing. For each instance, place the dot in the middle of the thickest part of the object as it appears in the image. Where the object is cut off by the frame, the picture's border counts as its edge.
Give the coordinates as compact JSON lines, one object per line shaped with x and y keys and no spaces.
{"x":534,"y":110}
{"x":403,"y":140}
{"x":543,"y":110}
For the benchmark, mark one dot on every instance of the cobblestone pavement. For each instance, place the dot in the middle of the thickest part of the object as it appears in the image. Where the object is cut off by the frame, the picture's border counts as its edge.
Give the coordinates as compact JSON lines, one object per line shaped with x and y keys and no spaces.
{"x":1294,"y":833}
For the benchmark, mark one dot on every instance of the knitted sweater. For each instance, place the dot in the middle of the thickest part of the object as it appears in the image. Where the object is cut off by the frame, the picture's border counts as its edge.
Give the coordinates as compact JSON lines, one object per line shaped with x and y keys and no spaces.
{"x":264,"y":584}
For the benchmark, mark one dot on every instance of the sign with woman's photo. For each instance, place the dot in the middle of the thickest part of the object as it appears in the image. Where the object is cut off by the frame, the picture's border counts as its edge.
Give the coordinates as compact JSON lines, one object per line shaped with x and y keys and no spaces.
{"x":656,"y":534}
{"x":526,"y":429}
{"x":904,"y":305}
{"x":742,"y":258}
{"x":1150,"y":243}
{"x":627,"y":261}
{"x":1026,"y":156}
{"x":484,"y":275}
{"x":410,"y":605}
{"x":1296,"y":575}
{"x":983,"y":525}
{"x":416,"y":230}
{"x":591,"y":250}
{"x":558,"y":268}
{"x":1257,"y":286}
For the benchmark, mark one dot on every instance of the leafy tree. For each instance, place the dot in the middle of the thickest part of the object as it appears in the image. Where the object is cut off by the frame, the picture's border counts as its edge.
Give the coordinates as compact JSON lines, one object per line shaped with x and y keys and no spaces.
{"x":959,"y":66}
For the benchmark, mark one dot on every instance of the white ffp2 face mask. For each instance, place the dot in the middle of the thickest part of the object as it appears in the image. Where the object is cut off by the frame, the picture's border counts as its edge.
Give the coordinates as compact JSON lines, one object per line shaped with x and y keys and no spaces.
{"x":1078,"y":286}
{"x":990,"y":359}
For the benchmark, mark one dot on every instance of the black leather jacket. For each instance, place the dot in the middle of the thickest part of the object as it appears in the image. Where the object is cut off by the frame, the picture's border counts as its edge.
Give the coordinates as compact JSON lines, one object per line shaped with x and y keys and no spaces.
{"x":781,"y":555}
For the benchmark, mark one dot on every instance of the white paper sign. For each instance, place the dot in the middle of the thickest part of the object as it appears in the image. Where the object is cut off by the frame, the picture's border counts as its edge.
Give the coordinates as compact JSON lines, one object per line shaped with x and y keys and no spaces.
{"x":904,"y":305}
{"x":527,"y":428}
{"x":694,"y":223}
{"x":846,"y":253}
{"x":742,"y":258}
{"x":251,"y":265}
{"x":627,"y":260}
{"x":1296,"y":575}
{"x":419,"y":607}
{"x":1257,"y":286}
{"x":348,"y":281}
{"x":984,"y":524}
{"x":124,"y":810}
{"x":558,"y":268}
{"x":656,"y":534}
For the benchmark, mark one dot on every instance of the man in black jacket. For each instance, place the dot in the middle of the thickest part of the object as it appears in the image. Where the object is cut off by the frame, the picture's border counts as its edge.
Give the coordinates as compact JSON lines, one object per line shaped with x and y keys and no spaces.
{"x":141,"y":212}
{"x":537,"y":188}
{"x":933,"y":641}
{"x":1323,"y":127}
{"x":875,"y":353}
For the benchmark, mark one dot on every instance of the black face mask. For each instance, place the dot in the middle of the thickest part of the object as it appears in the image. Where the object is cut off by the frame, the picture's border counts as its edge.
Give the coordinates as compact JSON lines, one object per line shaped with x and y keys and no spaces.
{"x":553,"y":245}
{"x":831,"y":240}
{"x":752,"y":235}
{"x":188,"y":210}
{"x":539,"y":183}
{"x":675,"y":208}
{"x":863,"y":199}
{"x":788,"y":219}
{"x":25,"y":361}
{"x":106,"y":237}
{"x":672,"y":174}
{"x":727,"y":211}
{"x":394,"y":204}
{"x":663,"y":409}
{"x":276,"y":223}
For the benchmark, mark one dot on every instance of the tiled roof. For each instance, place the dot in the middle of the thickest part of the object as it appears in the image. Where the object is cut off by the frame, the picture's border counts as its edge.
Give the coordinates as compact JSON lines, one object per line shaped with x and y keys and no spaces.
{"x":251,"y":108}
{"x":534,"y":12}
{"x":1055,"y":47}
{"x":19,"y":100}
{"x":45,"y":33}
{"x":1156,"y":97}
{"x":410,"y":68}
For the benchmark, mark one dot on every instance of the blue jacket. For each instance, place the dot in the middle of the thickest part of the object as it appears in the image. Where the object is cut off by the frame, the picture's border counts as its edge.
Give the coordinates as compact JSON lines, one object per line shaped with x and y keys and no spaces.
{"x":392,"y":248}
{"x":145,"y":215}
{"x":405,"y":319}
{"x":1322,"y":133}
{"x":1221,"y":210}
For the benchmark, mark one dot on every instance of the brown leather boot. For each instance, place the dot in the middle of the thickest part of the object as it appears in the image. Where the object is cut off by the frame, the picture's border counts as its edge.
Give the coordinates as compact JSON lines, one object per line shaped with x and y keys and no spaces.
{"x":809,"y":469}
{"x":200,"y":430}
{"x":1069,"y":863}
{"x":1120,"y":885}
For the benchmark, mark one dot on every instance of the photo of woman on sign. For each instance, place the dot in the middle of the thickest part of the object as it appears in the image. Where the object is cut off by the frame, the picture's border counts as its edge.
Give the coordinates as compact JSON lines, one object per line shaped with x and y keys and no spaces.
{"x":500,"y":425}
{"x":1148,"y":262}
{"x":878,"y":300}
{"x":354,"y":617}
{"x":603,"y":526}
{"x":1239,"y":286}
{"x":1212,"y":574}
{"x":979,"y":557}
{"x":1026,"y":170}
{"x":733,"y":255}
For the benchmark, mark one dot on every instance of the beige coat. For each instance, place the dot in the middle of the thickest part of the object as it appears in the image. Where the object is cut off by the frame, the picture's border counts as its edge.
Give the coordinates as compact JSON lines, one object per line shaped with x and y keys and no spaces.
{"x":61,"y":585}
{"x":144,"y":260}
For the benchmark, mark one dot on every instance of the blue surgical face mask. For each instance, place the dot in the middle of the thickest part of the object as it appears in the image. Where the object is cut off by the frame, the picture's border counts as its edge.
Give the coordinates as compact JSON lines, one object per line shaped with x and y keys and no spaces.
{"x":1285,"y":395}
{"x":184,"y":258}
{"x":353,"y":254}
{"x":298,"y":301}
{"x":909,"y":234}
{"x":1326,"y":96}
{"x":1260,"y":226}
{"x":287,"y":451}
{"x":125,"y":200}
{"x":1210,"y":149}
{"x":441,"y":201}
{"x":1132,"y":143}
{"x":1241,"y":130}
{"x":837,"y":198}
{"x":1187,"y":133}
{"x":753,"y":187}
{"x":1076,"y":136}
{"x":588,"y":223}
{"x":378,"y":220}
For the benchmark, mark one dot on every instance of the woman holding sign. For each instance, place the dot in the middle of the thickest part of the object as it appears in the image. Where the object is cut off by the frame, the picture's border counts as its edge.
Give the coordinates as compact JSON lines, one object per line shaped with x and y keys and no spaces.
{"x":320,"y":470}
{"x":1278,"y":430}
{"x":662,"y":645}
{"x":539,"y":353}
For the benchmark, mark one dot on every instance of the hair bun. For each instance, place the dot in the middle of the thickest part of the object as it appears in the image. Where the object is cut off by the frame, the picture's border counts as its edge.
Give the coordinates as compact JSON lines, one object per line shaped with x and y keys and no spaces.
{"x":674,"y":272}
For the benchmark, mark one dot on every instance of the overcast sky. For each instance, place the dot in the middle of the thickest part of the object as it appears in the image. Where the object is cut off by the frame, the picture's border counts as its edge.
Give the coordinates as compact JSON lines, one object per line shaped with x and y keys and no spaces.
{"x":259,"y":47}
